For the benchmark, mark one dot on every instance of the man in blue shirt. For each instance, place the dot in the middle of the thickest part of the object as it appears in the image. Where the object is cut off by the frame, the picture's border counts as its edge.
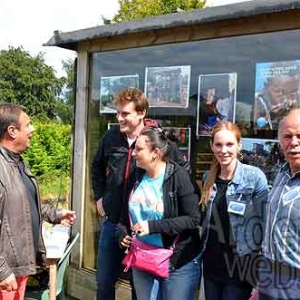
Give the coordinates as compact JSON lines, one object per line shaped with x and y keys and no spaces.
{"x":280,"y":274}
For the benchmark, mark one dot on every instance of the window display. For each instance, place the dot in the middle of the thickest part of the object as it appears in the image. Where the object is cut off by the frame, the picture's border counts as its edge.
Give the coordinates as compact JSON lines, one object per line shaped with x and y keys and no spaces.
{"x":112,"y":85}
{"x":277,"y":90}
{"x":238,"y":65}
{"x":264,"y":154}
{"x":216,"y":100}
{"x":168,"y":86}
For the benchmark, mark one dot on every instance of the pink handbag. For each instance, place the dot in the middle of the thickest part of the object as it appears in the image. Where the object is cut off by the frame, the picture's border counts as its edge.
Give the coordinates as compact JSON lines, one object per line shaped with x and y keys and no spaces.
{"x":254,"y":295}
{"x":148,"y":258}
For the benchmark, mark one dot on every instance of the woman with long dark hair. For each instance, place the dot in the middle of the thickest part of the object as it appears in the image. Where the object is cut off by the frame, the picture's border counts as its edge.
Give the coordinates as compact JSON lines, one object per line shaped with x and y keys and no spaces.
{"x":163,"y":209}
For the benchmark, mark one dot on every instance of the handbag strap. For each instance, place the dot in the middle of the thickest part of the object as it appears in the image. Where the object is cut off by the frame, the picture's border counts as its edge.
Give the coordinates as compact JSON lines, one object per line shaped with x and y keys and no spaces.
{"x":128,"y":263}
{"x":175,"y":241}
{"x":134,"y":234}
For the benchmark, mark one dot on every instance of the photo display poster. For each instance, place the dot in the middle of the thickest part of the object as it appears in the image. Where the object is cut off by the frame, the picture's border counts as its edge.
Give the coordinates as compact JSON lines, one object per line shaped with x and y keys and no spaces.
{"x":216,"y":100}
{"x":277,"y":90}
{"x":264,"y":154}
{"x":110,"y":86}
{"x":168,"y":86}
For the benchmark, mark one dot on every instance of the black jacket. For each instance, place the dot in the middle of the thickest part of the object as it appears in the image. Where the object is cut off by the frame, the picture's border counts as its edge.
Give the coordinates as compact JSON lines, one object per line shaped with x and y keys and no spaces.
{"x":113,"y":171}
{"x":181,"y":215}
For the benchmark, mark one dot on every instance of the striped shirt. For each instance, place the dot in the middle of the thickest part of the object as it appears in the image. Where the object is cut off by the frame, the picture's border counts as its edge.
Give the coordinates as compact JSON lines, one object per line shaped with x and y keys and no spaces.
{"x":282,"y":235}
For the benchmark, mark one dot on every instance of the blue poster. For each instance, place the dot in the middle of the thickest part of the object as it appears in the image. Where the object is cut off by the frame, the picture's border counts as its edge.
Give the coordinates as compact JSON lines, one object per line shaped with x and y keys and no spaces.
{"x":276,"y":92}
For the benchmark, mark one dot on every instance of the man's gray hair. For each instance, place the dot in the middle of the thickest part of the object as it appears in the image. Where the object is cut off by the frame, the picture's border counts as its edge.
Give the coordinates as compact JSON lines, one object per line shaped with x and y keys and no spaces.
{"x":292,"y":112}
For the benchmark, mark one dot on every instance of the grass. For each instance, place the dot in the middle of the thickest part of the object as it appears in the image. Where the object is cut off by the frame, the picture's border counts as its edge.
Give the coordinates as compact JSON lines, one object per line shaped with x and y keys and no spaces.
{"x":54,"y":189}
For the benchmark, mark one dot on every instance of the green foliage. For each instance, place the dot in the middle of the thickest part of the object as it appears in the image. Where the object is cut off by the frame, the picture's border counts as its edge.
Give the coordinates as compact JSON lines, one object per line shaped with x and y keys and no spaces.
{"x":68,"y":66}
{"x":54,"y":189}
{"x":64,"y":107}
{"x":64,"y":112}
{"x":50,"y":150}
{"x":28,"y":81}
{"x":138,"y":9}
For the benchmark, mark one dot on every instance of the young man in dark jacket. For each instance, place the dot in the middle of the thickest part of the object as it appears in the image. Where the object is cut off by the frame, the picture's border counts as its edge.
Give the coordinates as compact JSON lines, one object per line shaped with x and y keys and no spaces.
{"x":21,"y":241}
{"x":113,"y":178}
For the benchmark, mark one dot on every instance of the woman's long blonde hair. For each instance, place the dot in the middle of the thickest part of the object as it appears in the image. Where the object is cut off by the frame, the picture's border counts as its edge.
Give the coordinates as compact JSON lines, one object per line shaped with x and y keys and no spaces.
{"x":215,"y":166}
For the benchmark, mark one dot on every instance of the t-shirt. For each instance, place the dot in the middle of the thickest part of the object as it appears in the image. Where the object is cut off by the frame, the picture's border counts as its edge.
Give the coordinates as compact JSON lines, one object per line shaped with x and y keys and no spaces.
{"x":146,"y":203}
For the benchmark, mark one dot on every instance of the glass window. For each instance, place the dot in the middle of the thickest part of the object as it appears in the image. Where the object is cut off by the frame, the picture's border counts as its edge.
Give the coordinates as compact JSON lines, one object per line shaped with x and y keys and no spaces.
{"x":225,"y":58}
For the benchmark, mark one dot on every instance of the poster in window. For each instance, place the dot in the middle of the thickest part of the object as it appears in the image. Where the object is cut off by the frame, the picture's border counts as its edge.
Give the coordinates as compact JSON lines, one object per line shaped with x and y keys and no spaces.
{"x":112,"y":85}
{"x":216,"y":100}
{"x":277,"y":90}
{"x":182,"y":137}
{"x":265,"y":154}
{"x":168,"y":86}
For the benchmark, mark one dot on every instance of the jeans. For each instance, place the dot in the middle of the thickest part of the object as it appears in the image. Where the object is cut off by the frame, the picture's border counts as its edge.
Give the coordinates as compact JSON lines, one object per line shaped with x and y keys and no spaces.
{"x":215,"y":290}
{"x":110,"y":256}
{"x":181,"y":284}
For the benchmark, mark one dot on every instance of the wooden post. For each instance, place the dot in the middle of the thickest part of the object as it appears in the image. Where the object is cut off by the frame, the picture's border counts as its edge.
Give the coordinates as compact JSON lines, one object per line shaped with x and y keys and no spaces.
{"x":52,"y":278}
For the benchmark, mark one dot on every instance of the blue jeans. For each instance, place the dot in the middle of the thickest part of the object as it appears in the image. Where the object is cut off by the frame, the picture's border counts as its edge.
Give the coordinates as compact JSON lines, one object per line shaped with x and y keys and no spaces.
{"x":215,"y":290}
{"x":109,"y":262}
{"x":181,"y":284}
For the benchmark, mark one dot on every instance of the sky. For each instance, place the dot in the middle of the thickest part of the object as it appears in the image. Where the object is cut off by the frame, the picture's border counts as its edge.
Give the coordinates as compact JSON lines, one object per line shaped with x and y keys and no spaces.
{"x":30,"y":24}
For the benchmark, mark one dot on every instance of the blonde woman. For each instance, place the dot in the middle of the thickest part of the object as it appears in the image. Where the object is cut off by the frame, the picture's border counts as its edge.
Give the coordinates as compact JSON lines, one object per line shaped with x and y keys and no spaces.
{"x":233,"y":201}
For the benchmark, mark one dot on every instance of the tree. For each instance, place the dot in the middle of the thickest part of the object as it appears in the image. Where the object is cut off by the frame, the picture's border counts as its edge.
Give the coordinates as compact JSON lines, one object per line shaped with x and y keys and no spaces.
{"x":28,"y":81}
{"x":138,"y":9}
{"x":68,"y":66}
{"x":65,"y":106}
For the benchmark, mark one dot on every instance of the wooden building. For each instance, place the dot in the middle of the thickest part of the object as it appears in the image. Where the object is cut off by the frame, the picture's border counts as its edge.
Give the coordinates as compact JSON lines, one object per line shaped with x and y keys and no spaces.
{"x":235,"y":53}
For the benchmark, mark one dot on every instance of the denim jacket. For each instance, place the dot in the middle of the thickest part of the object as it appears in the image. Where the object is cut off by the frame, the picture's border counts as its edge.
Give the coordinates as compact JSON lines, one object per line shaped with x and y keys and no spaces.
{"x":282,"y":236}
{"x":248,"y":186}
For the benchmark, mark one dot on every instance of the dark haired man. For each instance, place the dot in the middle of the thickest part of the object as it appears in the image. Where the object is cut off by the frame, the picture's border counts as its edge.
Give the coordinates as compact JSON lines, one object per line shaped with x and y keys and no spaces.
{"x":112,"y":180}
{"x":21,"y":212}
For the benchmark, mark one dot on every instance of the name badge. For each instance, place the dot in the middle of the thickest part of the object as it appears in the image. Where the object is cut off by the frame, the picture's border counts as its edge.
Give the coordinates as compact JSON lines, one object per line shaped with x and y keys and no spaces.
{"x":236,"y":207}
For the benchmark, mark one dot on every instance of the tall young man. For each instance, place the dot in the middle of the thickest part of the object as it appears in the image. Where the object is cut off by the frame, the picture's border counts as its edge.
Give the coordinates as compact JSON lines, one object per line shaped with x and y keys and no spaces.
{"x":112,"y":178}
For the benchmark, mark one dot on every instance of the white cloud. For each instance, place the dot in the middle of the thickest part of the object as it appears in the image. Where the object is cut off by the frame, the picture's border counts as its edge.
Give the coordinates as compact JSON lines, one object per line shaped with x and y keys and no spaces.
{"x":31,"y":23}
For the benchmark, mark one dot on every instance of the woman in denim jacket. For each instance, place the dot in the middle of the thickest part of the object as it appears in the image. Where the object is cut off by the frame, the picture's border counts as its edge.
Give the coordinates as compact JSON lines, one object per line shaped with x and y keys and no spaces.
{"x":233,"y":204}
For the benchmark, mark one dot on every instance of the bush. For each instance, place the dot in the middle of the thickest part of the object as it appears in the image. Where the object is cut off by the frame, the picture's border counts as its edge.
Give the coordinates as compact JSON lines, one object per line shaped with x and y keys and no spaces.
{"x":50,"y":150}
{"x":49,"y":159}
